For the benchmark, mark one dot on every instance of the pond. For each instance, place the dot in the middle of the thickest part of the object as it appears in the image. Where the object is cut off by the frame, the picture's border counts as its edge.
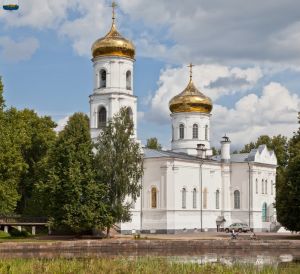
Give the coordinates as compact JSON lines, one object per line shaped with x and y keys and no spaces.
{"x":226,"y":257}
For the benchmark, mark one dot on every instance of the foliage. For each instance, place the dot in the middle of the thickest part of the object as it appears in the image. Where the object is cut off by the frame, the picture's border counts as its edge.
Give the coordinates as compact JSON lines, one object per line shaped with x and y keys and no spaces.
{"x":288,"y":192}
{"x":152,"y":143}
{"x":147,"y":265}
{"x":11,"y":162}
{"x":4,"y":234}
{"x":73,"y":200}
{"x":24,"y":141}
{"x":118,"y":165}
{"x":216,"y":151}
{"x":17,"y":233}
{"x":277,"y":143}
{"x":2,"y":102}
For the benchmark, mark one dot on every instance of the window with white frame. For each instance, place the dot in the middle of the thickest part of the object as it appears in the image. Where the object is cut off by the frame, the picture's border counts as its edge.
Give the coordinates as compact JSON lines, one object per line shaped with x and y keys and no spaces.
{"x":194,"y":198}
{"x":237,"y":202}
{"x":256,"y":186}
{"x":195,"y":131}
{"x":181,"y":131}
{"x":102,"y":78}
{"x":217,"y":199}
{"x":153,"y":197}
{"x":183,"y":198}
{"x":205,"y":198}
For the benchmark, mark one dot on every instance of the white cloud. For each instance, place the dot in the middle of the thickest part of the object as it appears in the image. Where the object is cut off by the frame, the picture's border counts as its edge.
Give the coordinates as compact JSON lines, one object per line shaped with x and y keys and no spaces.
{"x":39,"y":14}
{"x":272,"y":113}
{"x":15,"y":51}
{"x":176,"y":31}
{"x":62,"y":123}
{"x":214,"y":80}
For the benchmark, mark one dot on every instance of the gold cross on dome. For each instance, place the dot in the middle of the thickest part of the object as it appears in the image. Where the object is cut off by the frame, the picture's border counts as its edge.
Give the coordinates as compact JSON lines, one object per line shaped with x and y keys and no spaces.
{"x":191,"y":70}
{"x":113,"y":5}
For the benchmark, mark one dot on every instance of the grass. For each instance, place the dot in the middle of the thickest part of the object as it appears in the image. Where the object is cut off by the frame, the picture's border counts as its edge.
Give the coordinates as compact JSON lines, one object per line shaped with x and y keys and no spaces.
{"x":126,"y":265}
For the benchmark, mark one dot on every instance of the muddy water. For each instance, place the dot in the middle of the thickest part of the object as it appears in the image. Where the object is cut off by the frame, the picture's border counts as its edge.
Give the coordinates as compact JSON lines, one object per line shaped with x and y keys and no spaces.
{"x":227,"y":257}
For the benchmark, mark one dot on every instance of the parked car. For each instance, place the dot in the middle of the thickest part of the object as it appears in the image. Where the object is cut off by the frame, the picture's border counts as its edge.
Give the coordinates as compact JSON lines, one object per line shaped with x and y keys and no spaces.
{"x":239,"y":227}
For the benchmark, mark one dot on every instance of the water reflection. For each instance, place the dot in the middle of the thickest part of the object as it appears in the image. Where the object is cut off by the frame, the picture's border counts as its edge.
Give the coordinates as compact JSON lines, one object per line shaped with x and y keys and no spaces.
{"x":226,"y":257}
{"x":230,"y":260}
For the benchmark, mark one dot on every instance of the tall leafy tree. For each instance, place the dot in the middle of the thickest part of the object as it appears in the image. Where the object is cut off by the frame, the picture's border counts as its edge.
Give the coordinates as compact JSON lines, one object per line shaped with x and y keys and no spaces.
{"x":2,"y":102}
{"x":12,"y":164}
{"x":34,"y":135}
{"x":153,"y":143}
{"x":118,"y":165}
{"x":288,"y":187}
{"x":74,"y":201}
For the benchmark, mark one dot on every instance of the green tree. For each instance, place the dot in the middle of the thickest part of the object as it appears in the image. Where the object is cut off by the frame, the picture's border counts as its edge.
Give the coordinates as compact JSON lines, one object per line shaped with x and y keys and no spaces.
{"x":288,"y":187}
{"x":118,"y":165}
{"x":35,"y":136}
{"x":277,"y":143}
{"x":2,"y":102}
{"x":153,"y":143}
{"x":73,"y":200}
{"x":11,"y":162}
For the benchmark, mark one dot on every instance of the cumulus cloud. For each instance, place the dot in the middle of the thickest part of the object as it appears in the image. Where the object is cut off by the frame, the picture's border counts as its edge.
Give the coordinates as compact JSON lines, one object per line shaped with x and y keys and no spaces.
{"x":214,"y":80}
{"x":214,"y":31}
{"x":14,"y":51}
{"x":62,"y":123}
{"x":272,"y":113}
{"x":177,"y":31}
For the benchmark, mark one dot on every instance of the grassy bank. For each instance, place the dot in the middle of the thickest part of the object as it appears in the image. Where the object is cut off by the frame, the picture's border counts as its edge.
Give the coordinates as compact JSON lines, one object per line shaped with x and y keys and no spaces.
{"x":125,"y":265}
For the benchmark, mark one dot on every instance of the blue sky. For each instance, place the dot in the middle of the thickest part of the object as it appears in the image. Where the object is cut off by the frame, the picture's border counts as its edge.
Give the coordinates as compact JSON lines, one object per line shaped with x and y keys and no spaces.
{"x":247,"y":59}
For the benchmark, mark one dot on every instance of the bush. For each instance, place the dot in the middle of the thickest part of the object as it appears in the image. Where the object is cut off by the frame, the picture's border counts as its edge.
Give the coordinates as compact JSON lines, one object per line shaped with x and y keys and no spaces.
{"x":4,"y":234}
{"x":16,"y":233}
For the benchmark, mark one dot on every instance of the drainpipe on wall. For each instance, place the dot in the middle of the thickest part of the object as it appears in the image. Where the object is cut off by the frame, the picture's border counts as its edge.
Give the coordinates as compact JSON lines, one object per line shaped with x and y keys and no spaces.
{"x":201,"y":153}
{"x":141,"y":215}
{"x":249,"y":195}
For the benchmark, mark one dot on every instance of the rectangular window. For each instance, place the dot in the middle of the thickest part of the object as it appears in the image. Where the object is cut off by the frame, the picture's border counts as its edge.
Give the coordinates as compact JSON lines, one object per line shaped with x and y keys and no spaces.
{"x":194,"y":198}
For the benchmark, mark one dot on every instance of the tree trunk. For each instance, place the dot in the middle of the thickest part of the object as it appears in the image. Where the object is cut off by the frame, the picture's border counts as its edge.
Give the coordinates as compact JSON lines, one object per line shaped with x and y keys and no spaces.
{"x":107,"y":232}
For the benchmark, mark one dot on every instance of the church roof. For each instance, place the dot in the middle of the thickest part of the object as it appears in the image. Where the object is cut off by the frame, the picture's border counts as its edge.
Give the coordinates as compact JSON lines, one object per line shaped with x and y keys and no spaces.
{"x":154,"y":153}
{"x":259,"y":155}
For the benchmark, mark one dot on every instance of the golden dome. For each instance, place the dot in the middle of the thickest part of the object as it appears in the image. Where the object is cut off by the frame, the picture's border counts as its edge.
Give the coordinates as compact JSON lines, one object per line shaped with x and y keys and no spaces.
{"x":190,"y":100}
{"x":113,"y":43}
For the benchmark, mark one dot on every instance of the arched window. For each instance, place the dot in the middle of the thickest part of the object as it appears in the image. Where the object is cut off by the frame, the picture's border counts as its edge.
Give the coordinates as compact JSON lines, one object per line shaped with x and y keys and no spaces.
{"x":128,"y":80}
{"x":102,"y":79}
{"x":264,"y":212}
{"x":272,"y":188}
{"x":206,"y":132}
{"x":194,"y":198}
{"x":129,"y":111}
{"x":256,"y":186}
{"x":217,"y":199}
{"x":153,"y":197}
{"x":172,"y":133}
{"x":181,"y":131}
{"x":262,"y":187}
{"x":236,"y":195}
{"x":266,"y":187}
{"x":205,"y":198}
{"x":195,"y":131}
{"x":183,"y":198}
{"x":102,"y":117}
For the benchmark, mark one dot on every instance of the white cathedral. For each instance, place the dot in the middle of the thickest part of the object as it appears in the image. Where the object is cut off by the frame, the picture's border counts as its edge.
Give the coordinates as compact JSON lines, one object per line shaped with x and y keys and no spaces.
{"x":185,"y":188}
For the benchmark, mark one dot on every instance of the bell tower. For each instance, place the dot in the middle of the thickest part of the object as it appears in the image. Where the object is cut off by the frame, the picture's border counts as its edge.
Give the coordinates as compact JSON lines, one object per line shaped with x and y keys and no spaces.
{"x":113,"y":63}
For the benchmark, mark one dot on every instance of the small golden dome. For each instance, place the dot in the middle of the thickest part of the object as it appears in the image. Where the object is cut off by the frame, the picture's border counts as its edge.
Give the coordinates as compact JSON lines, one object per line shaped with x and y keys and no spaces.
{"x":113,"y":43}
{"x":190,"y":100}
